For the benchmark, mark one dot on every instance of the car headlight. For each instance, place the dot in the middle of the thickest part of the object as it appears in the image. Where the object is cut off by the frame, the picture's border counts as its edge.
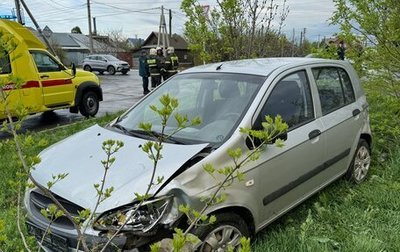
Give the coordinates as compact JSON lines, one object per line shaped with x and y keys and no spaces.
{"x":140,"y":219}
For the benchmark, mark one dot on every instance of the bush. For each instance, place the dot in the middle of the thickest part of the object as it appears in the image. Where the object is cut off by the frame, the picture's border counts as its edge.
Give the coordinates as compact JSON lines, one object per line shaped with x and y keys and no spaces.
{"x":385,"y":120}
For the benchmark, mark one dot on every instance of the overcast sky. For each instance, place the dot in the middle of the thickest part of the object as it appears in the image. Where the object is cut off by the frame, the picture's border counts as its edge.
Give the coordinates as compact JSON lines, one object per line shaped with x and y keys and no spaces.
{"x":137,"y":18}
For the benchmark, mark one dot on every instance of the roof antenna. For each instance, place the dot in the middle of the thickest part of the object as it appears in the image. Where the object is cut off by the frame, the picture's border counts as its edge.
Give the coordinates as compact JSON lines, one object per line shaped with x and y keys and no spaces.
{"x":219,"y":67}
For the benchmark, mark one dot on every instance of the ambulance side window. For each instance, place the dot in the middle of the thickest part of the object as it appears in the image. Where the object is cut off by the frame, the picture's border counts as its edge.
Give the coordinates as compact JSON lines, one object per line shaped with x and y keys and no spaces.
{"x":5,"y":65}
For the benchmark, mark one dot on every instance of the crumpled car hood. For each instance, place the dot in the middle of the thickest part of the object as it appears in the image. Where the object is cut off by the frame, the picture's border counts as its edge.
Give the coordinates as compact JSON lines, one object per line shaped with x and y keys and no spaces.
{"x":80,"y":156}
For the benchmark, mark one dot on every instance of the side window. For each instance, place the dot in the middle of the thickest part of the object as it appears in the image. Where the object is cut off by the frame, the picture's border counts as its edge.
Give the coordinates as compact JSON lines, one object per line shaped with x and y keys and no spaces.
{"x":334,"y":88}
{"x":45,"y":63}
{"x":290,"y":98}
{"x":347,"y":86}
{"x":5,"y":65}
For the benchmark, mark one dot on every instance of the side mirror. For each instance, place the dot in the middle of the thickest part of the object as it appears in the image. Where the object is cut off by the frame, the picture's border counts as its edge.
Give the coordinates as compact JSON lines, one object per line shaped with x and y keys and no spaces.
{"x":73,"y":67}
{"x":257,"y":141}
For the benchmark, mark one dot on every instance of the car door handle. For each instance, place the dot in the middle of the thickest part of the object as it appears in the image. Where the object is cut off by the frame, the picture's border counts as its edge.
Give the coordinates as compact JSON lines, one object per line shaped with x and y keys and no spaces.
{"x":313,"y":134}
{"x":44,"y":76}
{"x":356,"y":112}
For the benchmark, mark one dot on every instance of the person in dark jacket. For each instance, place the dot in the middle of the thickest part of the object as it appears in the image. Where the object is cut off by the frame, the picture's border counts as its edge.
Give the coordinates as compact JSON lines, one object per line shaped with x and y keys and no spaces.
{"x":162,"y":60}
{"x":153,"y":62}
{"x":341,"y":50}
{"x":144,"y":72}
{"x":171,"y":62}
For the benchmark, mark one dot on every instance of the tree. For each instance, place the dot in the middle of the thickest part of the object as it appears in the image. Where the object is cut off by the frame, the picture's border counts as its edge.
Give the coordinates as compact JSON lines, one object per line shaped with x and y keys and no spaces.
{"x":76,"y":29}
{"x":235,"y":29}
{"x":374,"y":25}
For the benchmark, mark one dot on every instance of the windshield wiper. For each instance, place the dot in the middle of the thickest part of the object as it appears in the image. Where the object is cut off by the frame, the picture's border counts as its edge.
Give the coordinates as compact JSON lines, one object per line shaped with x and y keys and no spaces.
{"x":166,"y":138}
{"x":136,"y":133}
{"x":148,"y":134}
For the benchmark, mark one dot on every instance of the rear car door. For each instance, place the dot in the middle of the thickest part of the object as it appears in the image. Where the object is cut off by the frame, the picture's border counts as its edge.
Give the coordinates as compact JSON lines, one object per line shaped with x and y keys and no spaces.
{"x":57,"y":86}
{"x":287,"y":174}
{"x":341,"y":114}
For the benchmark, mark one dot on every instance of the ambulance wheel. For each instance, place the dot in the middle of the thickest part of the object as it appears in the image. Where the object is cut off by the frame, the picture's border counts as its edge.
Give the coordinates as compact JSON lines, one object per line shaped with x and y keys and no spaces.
{"x":89,"y":105}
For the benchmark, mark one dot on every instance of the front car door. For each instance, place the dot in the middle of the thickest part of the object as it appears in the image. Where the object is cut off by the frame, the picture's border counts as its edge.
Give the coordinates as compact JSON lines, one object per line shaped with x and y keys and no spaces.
{"x":57,"y":86}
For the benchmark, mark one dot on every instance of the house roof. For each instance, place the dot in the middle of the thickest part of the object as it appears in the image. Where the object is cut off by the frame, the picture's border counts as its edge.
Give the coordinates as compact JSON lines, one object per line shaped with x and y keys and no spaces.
{"x":176,"y":41}
{"x":74,"y":41}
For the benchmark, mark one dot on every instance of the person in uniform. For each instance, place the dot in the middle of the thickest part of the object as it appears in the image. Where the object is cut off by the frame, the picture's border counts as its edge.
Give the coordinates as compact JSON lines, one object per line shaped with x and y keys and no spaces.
{"x":173,"y":63}
{"x":162,"y":63}
{"x":144,"y":71}
{"x":154,"y":67}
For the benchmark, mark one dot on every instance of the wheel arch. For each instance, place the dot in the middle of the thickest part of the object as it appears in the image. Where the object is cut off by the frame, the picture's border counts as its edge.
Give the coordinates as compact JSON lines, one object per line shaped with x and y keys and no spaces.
{"x":88,"y":86}
{"x":243,"y":212}
{"x":368,"y":138}
{"x":87,"y":65}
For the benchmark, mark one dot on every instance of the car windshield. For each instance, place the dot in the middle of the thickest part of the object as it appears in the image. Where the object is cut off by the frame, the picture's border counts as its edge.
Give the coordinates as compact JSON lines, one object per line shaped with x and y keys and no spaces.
{"x":220,"y":100}
{"x":110,"y":57}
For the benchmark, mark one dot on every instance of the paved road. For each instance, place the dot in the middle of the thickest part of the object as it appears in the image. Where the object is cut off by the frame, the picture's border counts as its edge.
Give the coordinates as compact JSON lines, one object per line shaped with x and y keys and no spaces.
{"x":119,"y":93}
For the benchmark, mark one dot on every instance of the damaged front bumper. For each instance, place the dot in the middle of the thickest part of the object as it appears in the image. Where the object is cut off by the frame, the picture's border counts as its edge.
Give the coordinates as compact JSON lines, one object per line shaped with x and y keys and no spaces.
{"x":153,"y":221}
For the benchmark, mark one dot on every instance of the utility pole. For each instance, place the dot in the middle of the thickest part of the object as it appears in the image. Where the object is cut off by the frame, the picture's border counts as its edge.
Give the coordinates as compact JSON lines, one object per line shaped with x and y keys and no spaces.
{"x":94,"y":26}
{"x":163,"y":39}
{"x":90,"y":27}
{"x":38,"y":28}
{"x":170,"y":23}
{"x":293,"y":42}
{"x":18,"y":12}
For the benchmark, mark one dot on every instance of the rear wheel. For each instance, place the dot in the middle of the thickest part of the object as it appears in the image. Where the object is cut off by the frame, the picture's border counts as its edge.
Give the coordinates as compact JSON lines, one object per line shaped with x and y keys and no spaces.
{"x":111,"y":70}
{"x":225,"y":232}
{"x":87,"y":68}
{"x":360,"y":164}
{"x":89,"y":105}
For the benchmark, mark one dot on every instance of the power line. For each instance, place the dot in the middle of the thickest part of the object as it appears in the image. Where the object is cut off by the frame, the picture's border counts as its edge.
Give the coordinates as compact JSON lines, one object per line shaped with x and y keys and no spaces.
{"x":119,"y":8}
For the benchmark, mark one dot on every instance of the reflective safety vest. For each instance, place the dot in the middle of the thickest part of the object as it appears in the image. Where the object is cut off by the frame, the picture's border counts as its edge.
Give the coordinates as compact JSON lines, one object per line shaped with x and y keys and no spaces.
{"x":174,"y":64}
{"x":153,"y":67}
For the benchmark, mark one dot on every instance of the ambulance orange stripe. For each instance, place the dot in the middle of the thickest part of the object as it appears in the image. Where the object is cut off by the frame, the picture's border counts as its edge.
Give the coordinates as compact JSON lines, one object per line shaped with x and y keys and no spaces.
{"x":51,"y":83}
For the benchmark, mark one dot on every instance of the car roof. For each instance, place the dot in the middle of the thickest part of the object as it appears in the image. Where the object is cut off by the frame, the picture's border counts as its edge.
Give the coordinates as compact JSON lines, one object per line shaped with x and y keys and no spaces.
{"x":98,"y":55}
{"x":261,"y":66}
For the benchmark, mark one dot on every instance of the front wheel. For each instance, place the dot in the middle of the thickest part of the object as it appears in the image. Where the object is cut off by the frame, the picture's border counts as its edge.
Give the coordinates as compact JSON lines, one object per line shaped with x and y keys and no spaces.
{"x":124,"y":72}
{"x":89,"y":105}
{"x":87,"y":68}
{"x":225,"y":232}
{"x":360,"y":164}
{"x":111,"y":70}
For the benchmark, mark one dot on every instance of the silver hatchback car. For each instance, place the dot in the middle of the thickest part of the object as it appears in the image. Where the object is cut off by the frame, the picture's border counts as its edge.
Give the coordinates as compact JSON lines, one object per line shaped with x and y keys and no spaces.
{"x":328,"y":137}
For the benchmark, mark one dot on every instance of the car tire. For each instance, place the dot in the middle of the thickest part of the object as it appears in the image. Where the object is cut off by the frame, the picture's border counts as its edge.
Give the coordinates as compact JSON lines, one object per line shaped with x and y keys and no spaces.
{"x":101,"y":72}
{"x":360,"y":163}
{"x":124,"y":72}
{"x":87,"y":68}
{"x":89,"y":105}
{"x":228,"y":229}
{"x":111,"y":70}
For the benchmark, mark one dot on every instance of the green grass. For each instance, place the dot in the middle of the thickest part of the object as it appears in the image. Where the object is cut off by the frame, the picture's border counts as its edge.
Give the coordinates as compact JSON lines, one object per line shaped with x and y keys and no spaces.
{"x":343,"y":217}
